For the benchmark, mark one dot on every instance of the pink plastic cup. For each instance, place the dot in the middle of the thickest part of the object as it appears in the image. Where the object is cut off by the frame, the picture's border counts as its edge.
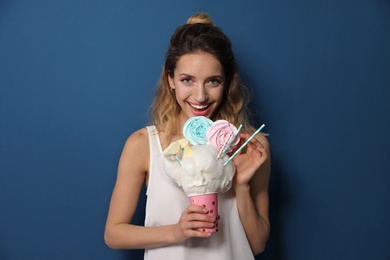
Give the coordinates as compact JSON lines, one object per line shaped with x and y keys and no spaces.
{"x":209,"y":201}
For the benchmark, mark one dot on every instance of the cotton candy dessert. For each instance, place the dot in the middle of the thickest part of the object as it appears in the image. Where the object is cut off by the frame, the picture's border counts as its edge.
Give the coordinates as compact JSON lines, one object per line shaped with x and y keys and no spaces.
{"x":199,"y":162}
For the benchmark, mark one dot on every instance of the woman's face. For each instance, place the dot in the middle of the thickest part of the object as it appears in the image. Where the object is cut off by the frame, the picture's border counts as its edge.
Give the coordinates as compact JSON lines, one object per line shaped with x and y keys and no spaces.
{"x":198,"y":82}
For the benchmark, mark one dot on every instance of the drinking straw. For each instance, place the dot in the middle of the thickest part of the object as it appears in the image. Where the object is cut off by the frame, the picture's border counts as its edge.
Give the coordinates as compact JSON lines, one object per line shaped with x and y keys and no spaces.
{"x":242,"y":146}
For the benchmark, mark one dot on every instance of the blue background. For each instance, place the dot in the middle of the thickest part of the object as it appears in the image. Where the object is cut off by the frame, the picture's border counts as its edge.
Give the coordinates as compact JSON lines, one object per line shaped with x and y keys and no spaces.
{"x":77,"y":77}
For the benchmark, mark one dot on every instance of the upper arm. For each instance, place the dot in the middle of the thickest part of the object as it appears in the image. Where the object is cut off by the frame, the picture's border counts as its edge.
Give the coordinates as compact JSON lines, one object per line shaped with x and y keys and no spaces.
{"x":259,"y":182}
{"x":132,"y":169}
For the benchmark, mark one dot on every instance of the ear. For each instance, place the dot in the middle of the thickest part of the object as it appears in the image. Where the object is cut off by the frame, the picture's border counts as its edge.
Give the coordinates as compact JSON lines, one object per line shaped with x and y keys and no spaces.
{"x":171,"y":82}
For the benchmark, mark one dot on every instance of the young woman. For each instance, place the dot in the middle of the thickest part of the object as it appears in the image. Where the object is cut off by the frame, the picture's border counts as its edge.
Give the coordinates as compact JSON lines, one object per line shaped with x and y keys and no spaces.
{"x":199,"y":78}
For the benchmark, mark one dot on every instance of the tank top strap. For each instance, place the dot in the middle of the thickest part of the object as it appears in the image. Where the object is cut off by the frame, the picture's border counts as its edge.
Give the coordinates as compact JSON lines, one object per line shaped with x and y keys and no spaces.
{"x":154,"y":140}
{"x":155,"y":152}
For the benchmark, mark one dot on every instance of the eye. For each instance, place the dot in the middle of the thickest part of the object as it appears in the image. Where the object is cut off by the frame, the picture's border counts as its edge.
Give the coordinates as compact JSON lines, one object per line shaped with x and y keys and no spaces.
{"x":214,"y":82}
{"x":187,"y":80}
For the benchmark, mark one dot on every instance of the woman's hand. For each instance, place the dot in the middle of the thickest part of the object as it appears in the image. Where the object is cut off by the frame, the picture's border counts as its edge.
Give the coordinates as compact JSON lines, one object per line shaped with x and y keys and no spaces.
{"x":191,"y":219}
{"x":249,"y":160}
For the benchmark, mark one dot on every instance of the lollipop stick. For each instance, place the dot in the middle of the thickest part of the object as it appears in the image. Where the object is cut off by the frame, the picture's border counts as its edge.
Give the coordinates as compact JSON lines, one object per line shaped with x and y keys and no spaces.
{"x":234,"y":138}
{"x":224,"y":145}
{"x":178,"y":159}
{"x":242,"y":146}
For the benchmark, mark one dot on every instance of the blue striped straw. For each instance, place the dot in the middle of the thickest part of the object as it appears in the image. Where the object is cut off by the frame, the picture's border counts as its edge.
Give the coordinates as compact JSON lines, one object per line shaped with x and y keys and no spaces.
{"x":242,"y":146}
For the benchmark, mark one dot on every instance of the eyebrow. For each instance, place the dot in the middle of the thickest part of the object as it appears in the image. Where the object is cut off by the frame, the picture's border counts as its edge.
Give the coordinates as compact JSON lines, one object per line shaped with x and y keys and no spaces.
{"x":187,"y":75}
{"x":213,"y":76}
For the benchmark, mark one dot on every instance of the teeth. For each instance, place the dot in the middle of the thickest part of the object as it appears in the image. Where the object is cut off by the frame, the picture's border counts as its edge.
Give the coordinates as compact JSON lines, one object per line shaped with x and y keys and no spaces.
{"x":199,"y":107}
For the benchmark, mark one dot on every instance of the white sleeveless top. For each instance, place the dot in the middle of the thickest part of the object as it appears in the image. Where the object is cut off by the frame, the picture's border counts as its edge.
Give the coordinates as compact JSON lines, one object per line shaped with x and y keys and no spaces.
{"x":164,"y":205}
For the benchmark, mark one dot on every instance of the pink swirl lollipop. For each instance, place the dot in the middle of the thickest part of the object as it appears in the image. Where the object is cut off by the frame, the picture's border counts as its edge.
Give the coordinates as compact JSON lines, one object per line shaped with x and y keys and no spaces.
{"x":220,"y":133}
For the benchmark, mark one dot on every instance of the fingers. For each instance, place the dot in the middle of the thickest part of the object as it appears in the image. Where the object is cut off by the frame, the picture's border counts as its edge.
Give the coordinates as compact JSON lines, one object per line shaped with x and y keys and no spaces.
{"x":256,"y":146}
{"x":254,"y":149}
{"x":197,"y":209}
{"x":249,"y":161}
{"x":197,"y":217}
{"x":193,"y":219}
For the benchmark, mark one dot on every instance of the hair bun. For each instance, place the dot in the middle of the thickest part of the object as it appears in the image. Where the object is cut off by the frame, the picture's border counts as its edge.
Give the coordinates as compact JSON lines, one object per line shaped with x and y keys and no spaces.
{"x":200,"y":18}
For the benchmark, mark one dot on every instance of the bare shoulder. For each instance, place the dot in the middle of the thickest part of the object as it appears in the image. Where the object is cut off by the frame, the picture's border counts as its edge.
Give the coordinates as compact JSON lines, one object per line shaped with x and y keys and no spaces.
{"x":139,"y":137}
{"x":136,"y":150}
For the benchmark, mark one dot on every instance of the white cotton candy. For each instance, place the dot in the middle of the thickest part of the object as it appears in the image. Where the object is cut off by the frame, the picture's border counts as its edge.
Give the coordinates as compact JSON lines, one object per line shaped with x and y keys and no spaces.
{"x":202,"y":172}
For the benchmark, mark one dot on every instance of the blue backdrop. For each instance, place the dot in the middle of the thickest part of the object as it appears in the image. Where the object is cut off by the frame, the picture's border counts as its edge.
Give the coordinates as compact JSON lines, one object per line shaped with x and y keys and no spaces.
{"x":77,"y":77}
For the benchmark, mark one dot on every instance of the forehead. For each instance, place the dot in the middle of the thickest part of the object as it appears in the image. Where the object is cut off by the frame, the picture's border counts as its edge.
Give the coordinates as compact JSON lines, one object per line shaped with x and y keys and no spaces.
{"x":199,"y":63}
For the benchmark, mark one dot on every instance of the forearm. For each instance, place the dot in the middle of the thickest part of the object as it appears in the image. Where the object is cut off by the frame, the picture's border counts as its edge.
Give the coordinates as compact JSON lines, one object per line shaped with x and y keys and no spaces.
{"x":257,"y":229}
{"x":127,"y":236}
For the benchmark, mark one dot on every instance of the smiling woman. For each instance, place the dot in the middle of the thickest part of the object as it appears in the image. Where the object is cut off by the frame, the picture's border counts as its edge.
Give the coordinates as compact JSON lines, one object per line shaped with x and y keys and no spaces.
{"x":199,"y":78}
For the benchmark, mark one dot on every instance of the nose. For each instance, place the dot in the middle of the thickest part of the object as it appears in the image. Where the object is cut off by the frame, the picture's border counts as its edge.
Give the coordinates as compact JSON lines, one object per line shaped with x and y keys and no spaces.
{"x":201,"y":94}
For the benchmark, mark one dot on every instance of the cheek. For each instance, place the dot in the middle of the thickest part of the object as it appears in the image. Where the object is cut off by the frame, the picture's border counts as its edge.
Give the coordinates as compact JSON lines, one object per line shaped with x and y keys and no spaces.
{"x":181,"y":92}
{"x":217,"y":94}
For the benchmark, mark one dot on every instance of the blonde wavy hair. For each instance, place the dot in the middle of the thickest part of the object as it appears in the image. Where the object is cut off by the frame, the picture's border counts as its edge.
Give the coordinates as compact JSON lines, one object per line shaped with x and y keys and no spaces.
{"x":200,"y":35}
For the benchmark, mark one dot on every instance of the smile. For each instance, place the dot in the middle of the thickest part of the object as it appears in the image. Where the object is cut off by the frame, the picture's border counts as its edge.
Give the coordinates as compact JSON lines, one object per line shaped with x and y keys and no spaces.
{"x":199,"y":107}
